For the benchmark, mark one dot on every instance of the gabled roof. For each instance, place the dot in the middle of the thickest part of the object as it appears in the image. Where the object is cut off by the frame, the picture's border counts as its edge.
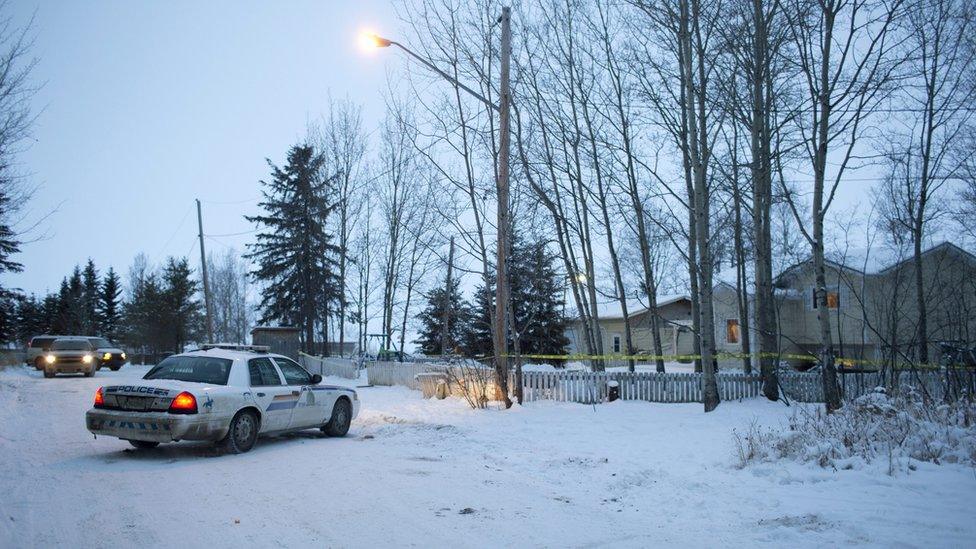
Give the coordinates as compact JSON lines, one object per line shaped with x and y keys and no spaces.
{"x":868,"y":262}
{"x":610,"y":308}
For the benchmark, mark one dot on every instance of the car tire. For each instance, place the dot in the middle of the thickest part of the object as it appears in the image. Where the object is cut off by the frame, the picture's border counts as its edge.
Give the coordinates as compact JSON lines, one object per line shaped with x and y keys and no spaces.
{"x":90,"y":373}
{"x":143,"y":444}
{"x":114,"y":368}
{"x":39,"y":363}
{"x":48,"y":373}
{"x":242,"y":433}
{"x":338,"y":424}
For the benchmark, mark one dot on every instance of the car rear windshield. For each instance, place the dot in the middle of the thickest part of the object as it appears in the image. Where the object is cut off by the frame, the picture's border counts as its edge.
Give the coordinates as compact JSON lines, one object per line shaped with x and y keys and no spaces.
{"x":199,"y":369}
{"x":42,"y":342}
{"x":71,"y":345}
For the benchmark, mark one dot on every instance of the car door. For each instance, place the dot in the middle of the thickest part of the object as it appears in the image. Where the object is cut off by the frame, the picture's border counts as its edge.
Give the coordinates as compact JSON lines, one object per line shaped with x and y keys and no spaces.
{"x":275,"y":399}
{"x":309,"y":412}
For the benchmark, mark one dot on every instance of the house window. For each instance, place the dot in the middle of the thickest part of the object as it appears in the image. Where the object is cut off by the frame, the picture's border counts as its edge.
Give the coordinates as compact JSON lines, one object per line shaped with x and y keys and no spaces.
{"x":833,"y":299}
{"x":732,"y":330}
{"x":616,"y":343}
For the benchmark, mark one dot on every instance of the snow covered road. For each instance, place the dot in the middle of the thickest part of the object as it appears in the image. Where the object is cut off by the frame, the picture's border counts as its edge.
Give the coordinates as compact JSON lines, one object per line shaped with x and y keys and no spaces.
{"x":420,"y":473}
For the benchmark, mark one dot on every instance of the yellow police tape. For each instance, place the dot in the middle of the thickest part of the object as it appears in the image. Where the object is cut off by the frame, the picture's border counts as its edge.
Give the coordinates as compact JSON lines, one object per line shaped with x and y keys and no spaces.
{"x":841,"y":361}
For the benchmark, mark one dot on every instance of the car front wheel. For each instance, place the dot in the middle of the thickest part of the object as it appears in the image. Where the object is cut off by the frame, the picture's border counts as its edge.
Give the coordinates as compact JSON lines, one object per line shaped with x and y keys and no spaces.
{"x":48,"y":373}
{"x":338,"y":424}
{"x":242,"y":434}
{"x":39,"y":363}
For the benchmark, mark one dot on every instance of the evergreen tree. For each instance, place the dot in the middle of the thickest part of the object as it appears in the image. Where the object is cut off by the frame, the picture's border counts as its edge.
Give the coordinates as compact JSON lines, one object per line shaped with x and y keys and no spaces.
{"x":9,"y":244}
{"x":538,"y":301}
{"x":109,"y":304}
{"x":50,"y":309}
{"x":8,"y":318}
{"x":535,"y":298}
{"x":432,"y":322}
{"x":294,"y":255}
{"x":180,"y":314}
{"x":89,"y":300}
{"x":143,"y":326}
{"x":31,"y":318}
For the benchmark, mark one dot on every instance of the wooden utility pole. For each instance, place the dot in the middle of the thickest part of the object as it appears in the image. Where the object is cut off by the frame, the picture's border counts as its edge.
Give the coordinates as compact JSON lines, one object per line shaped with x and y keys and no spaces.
{"x":504,"y":143}
{"x":446,"y":323}
{"x":206,"y":281}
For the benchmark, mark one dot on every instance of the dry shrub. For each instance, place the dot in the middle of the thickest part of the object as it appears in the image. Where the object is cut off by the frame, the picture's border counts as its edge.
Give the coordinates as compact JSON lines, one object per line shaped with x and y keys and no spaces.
{"x":893,"y":428}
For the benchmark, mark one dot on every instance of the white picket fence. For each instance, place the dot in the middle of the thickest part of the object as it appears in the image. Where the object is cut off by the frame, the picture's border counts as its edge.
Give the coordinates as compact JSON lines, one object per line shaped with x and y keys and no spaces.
{"x":808,"y":386}
{"x":399,"y":373}
{"x":590,"y":387}
{"x":330,"y":366}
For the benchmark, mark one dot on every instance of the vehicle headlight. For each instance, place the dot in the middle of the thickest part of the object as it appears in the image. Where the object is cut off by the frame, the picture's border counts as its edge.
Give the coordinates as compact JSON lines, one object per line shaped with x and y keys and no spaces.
{"x":107,"y":356}
{"x":50,"y":359}
{"x":86,"y":359}
{"x":123,"y":356}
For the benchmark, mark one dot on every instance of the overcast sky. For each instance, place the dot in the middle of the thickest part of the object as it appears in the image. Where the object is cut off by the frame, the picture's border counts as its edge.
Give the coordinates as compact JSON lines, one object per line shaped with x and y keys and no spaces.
{"x":149,"y":105}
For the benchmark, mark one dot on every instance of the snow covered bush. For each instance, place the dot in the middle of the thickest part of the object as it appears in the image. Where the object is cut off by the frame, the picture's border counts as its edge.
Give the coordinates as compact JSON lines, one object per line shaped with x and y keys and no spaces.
{"x":891,"y":429}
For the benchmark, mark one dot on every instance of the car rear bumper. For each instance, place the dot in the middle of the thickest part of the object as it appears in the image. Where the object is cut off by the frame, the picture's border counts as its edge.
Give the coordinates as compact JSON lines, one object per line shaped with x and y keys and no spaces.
{"x":154,"y":426}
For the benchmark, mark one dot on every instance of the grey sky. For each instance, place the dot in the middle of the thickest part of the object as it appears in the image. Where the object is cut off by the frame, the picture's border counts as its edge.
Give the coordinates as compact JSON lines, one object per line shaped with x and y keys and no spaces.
{"x":148,"y":105}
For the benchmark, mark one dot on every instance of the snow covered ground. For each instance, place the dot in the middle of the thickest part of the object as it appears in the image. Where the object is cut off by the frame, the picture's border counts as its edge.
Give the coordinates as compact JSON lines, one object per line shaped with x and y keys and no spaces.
{"x":418,"y":473}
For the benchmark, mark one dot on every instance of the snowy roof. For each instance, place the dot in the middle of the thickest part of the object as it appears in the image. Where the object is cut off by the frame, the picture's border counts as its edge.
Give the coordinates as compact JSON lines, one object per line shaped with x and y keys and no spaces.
{"x":872,"y":261}
{"x":610,"y":307}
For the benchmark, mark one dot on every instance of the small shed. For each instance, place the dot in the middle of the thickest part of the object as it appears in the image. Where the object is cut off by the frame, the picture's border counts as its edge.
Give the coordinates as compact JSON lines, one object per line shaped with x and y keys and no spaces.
{"x":282,"y":340}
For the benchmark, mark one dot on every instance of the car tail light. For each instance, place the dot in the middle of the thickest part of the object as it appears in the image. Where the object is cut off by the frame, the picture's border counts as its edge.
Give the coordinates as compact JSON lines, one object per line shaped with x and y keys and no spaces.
{"x":184,"y":403}
{"x":99,"y":398}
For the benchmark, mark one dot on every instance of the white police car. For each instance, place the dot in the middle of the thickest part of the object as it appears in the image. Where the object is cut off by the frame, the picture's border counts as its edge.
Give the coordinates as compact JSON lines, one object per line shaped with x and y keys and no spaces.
{"x":228,"y":396}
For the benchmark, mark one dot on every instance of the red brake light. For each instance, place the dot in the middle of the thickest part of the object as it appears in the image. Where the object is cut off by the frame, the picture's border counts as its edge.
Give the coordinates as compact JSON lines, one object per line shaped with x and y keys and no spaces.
{"x":99,"y":398}
{"x":184,"y":403}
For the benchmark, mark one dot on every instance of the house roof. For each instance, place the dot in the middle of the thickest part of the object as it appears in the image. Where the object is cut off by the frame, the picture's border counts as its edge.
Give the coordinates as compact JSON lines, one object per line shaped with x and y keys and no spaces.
{"x":868,"y":261}
{"x":609,"y":308}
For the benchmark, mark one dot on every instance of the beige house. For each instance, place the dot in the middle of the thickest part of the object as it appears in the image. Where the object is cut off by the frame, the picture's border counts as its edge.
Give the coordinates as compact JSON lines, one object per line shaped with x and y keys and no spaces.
{"x":873,"y":306}
{"x":871,"y":301}
{"x":675,"y":327}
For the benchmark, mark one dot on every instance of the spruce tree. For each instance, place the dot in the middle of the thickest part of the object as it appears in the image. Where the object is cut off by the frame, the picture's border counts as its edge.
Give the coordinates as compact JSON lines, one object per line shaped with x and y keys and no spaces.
{"x":30,"y":318}
{"x":294,"y":255}
{"x":109,"y":304}
{"x":535,"y":298}
{"x":180,"y":314}
{"x":89,"y":300}
{"x":9,"y":244}
{"x":432,"y":322}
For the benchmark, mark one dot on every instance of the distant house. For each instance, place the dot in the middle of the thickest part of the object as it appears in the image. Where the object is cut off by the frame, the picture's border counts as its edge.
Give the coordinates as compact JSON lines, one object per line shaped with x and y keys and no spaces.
{"x":675,"y":327}
{"x":873,"y":306}
{"x":871,"y":300}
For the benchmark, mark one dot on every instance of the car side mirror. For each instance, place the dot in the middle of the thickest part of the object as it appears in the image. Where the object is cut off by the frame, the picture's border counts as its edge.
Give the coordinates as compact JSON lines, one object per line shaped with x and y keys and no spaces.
{"x":316,"y":379}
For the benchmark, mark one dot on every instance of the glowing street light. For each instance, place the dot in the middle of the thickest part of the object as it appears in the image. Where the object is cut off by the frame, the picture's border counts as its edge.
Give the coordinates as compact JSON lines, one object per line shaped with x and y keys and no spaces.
{"x":504,"y":145}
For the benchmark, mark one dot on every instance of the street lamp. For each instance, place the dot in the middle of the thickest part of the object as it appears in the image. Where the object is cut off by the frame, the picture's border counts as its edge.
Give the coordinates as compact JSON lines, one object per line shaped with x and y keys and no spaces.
{"x":504,"y":146}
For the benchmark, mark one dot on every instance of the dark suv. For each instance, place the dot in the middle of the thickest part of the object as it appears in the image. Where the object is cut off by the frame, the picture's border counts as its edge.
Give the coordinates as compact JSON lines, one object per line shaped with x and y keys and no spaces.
{"x":107,"y":354}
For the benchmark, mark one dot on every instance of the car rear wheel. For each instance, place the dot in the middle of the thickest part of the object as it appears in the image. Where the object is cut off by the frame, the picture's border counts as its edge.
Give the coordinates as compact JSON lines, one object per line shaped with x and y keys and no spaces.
{"x":243,"y":433}
{"x":338,"y":424}
{"x":143,"y":444}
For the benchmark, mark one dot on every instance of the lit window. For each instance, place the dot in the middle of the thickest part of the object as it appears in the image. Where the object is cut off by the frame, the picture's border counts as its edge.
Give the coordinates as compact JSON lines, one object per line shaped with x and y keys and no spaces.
{"x":732,"y":330}
{"x":833,"y":299}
